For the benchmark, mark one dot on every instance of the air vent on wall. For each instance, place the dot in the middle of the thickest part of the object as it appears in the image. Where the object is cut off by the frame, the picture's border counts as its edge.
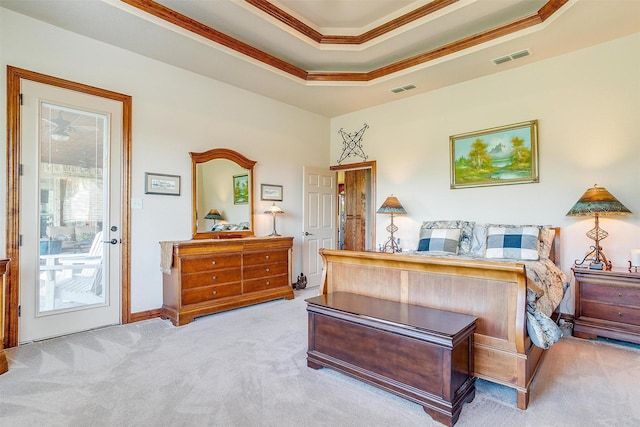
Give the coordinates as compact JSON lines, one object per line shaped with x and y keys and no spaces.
{"x":515,"y":55}
{"x":403,"y":88}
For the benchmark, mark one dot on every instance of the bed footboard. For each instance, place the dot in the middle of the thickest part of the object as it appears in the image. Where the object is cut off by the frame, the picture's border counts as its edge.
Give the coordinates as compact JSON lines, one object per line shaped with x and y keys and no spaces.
{"x":493,"y":292}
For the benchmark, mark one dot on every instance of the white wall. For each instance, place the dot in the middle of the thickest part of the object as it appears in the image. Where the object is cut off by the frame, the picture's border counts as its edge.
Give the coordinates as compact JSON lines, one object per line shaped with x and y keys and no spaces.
{"x":174,"y":112}
{"x":587,"y":104}
{"x":588,"y":107}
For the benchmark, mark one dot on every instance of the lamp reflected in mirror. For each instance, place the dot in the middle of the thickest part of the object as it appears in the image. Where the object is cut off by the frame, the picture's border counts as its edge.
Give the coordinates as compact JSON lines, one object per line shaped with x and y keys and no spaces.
{"x":213,"y":214}
{"x":274,"y":210}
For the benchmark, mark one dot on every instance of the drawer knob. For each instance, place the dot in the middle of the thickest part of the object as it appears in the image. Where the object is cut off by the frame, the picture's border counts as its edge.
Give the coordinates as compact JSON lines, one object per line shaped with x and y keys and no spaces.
{"x":214,"y":292}
{"x":213,"y":262}
{"x":267,"y":256}
{"x":620,"y":294}
{"x":214,"y":277}
{"x":267,"y":283}
{"x":266,"y":269}
{"x":620,"y":314}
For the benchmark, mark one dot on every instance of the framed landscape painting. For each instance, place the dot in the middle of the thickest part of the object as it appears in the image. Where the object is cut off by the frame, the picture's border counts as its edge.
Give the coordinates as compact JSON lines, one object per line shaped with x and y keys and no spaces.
{"x":497,"y":156}
{"x":240,"y":189}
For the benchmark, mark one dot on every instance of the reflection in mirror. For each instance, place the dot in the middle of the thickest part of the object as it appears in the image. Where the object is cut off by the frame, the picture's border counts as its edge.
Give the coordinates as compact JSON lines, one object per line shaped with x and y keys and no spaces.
{"x":222,"y":194}
{"x":222,"y":186}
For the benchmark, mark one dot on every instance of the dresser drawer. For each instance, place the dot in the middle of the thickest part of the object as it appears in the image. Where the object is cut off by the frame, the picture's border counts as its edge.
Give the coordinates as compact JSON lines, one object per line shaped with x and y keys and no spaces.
{"x":194,"y":265}
{"x":265,"y":257}
{"x":613,"y":313}
{"x":208,"y":293}
{"x":213,"y":277}
{"x":264,"y":270}
{"x":611,"y":294}
{"x":266,"y":283}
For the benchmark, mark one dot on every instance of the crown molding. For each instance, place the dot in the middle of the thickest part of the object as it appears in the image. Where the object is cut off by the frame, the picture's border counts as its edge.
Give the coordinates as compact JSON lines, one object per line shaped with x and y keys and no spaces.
{"x":171,"y":16}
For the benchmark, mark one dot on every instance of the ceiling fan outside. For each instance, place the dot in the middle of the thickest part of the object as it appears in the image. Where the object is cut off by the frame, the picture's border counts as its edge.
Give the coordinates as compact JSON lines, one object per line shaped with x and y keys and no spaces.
{"x":62,"y":127}
{"x":59,"y":133}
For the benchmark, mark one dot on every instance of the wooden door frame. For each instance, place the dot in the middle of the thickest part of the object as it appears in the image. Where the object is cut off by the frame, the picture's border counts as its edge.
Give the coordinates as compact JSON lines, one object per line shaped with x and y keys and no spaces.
{"x":12,"y":291}
{"x":356,"y":166}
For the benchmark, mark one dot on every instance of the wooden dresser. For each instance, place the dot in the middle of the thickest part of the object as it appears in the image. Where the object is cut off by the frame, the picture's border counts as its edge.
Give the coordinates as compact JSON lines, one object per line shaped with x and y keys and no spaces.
{"x":607,"y":304}
{"x":213,"y":275}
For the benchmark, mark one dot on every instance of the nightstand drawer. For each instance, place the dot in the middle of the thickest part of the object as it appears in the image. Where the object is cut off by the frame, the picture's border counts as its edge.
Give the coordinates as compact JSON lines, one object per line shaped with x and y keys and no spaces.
{"x":207,"y":293}
{"x":612,"y":313}
{"x":611,"y":294}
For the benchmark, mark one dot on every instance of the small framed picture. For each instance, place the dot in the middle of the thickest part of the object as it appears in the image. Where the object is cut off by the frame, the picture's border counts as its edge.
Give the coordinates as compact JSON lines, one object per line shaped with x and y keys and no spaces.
{"x":271,"y":192}
{"x":240,"y":189}
{"x":158,"y":183}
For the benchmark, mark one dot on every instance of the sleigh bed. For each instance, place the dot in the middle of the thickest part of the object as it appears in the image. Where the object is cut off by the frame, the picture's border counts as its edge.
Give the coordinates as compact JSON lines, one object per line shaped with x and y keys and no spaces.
{"x":513,"y":299}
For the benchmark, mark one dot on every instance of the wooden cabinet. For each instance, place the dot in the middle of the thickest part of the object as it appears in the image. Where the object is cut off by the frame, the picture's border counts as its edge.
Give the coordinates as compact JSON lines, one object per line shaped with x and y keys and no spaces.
{"x":208,"y":276}
{"x":607,"y":304}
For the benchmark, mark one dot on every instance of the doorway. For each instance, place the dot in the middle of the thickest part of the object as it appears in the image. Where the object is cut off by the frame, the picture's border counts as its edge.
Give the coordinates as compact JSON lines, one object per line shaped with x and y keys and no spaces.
{"x":356,"y":206}
{"x":68,"y":227}
{"x":319,"y":219}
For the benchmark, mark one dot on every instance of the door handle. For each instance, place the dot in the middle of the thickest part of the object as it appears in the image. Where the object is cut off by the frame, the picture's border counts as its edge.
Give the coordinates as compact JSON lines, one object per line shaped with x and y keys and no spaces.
{"x":306,"y":233}
{"x":112,"y":241}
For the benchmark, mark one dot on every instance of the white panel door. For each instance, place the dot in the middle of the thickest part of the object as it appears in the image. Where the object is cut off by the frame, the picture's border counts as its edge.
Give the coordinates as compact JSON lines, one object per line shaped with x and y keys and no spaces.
{"x":319,"y":219}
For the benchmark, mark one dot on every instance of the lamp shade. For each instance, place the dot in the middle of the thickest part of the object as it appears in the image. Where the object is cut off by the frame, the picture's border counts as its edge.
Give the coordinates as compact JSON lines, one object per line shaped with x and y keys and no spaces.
{"x":274,"y":210}
{"x":213,"y":214}
{"x":392,"y":206}
{"x":598,"y":201}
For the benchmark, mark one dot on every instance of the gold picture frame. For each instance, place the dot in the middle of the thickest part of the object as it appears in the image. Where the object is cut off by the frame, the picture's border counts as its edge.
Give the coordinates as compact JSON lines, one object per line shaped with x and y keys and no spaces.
{"x":240,"y":189}
{"x":498,"y":156}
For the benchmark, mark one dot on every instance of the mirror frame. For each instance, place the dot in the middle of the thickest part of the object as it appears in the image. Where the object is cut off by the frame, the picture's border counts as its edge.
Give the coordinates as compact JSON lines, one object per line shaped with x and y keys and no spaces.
{"x":239,"y":159}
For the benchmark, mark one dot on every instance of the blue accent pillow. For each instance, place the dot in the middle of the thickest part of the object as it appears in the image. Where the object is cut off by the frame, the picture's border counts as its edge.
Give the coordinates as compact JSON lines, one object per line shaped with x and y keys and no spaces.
{"x":512,"y":243}
{"x":466,"y":230}
{"x":440,"y":240}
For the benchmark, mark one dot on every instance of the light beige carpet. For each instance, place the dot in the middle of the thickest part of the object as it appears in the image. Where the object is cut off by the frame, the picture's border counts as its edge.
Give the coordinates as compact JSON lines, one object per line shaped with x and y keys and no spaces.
{"x":248,"y":367}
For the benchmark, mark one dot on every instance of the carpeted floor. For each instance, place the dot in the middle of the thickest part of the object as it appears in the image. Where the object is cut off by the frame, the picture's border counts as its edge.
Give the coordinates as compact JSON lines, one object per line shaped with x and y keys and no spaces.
{"x":247,"y":367}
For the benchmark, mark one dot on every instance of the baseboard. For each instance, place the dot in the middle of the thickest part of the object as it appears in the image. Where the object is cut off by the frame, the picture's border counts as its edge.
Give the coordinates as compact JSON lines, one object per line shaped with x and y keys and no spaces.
{"x":144,"y":315}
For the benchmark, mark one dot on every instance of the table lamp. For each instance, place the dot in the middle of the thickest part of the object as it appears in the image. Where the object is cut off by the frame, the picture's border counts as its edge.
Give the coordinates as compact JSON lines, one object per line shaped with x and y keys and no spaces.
{"x":274,"y":210}
{"x":391,"y":206}
{"x":597,"y":201}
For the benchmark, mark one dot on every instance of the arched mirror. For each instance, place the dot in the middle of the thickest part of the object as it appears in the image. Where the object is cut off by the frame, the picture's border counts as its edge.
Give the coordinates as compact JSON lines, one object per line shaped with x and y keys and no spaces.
{"x":222,"y":191}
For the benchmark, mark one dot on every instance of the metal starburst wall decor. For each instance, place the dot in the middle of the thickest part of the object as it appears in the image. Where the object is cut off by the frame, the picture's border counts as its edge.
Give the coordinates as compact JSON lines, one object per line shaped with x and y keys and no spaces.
{"x":352,"y":144}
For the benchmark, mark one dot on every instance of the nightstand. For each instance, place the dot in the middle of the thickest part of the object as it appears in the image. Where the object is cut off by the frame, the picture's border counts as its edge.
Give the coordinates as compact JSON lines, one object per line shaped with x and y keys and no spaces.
{"x":607,"y":304}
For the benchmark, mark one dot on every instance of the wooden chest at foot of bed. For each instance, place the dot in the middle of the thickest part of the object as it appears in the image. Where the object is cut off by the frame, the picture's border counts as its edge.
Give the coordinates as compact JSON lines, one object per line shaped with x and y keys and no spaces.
{"x":421,"y":354}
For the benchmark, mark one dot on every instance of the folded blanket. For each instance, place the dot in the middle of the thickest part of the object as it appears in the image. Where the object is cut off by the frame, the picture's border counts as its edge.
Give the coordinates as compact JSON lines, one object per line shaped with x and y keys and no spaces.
{"x":166,"y":257}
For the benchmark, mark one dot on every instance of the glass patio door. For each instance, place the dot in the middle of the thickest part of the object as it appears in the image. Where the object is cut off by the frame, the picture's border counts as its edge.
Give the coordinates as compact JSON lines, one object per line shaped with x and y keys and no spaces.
{"x":70,"y":204}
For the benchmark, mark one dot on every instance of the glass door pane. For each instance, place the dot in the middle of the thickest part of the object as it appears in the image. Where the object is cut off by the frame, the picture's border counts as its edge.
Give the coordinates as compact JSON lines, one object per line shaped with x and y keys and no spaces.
{"x":72,"y":172}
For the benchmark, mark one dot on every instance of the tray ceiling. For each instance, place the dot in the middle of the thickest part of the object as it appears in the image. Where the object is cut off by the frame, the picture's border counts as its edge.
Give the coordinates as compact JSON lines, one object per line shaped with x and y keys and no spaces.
{"x":332,"y":57}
